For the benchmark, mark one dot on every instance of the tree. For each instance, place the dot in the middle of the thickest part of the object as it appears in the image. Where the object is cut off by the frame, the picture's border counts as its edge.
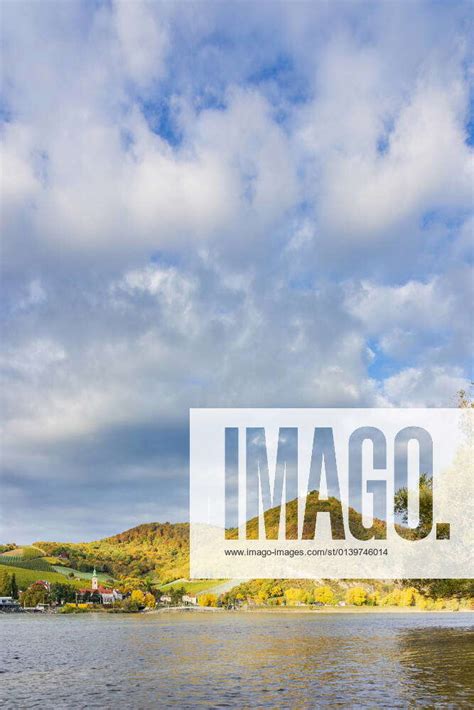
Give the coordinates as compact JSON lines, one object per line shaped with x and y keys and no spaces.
{"x":373,"y":599}
{"x":392,"y":598}
{"x":408,"y":597}
{"x":13,"y":586}
{"x":207,"y":600}
{"x":425,"y":506}
{"x":138,"y":597}
{"x":150,"y":600}
{"x":61,"y":593}
{"x":5,"y":583}
{"x":356,"y":596}
{"x":176,"y":594}
{"x":294,"y":596}
{"x":35,"y":594}
{"x":324,"y":595}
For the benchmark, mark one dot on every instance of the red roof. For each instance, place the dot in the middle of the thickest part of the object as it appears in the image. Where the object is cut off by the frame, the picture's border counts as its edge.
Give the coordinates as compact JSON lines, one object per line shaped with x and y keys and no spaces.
{"x":100,"y":589}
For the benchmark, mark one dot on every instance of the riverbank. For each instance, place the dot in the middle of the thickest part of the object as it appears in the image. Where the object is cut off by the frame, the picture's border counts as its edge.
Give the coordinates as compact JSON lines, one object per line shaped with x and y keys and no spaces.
{"x":309,"y":610}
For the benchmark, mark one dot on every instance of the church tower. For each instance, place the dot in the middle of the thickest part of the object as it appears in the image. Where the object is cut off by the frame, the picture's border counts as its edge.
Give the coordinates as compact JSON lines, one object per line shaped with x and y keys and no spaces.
{"x":95,"y":581}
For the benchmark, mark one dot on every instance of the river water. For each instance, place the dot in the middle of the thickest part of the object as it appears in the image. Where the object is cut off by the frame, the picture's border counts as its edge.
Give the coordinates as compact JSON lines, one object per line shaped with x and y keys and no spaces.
{"x":237,"y":660}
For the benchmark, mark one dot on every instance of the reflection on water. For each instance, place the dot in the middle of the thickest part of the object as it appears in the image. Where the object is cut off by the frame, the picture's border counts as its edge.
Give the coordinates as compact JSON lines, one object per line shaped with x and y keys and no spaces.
{"x":240,"y":660}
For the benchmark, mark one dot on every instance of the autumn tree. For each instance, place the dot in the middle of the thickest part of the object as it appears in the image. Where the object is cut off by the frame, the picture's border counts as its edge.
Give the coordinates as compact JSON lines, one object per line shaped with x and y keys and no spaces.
{"x":356,"y":596}
{"x":150,"y":601}
{"x":207,"y":600}
{"x":324,"y":595}
{"x":138,"y":597}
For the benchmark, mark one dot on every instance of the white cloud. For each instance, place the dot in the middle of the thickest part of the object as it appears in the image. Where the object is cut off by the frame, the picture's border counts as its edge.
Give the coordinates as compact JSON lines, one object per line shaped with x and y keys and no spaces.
{"x":382,"y":157}
{"x":305,"y":172}
{"x":425,"y":387}
{"x":143,"y":41}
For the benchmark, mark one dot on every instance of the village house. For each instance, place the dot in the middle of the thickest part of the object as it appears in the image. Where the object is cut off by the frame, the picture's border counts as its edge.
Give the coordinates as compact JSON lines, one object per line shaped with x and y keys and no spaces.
{"x":107,"y":596}
{"x":188,"y":600}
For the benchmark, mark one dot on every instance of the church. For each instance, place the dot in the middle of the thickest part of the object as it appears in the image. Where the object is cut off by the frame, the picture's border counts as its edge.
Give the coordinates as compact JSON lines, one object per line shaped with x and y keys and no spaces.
{"x":107,"y":596}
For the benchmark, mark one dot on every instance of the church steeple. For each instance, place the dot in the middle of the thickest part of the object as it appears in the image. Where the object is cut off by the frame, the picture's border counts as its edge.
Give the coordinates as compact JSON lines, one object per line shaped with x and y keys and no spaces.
{"x":95,"y":581}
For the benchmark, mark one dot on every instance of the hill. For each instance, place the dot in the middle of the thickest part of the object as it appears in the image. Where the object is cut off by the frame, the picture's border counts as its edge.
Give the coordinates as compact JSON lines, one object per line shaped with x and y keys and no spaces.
{"x":272,"y":520}
{"x":156,"y":550}
{"x":160,"y":551}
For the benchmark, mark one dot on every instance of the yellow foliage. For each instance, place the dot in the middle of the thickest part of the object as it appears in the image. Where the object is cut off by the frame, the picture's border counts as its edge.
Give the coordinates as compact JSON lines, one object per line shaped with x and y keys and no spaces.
{"x":324,"y":595}
{"x":138,"y":597}
{"x":408,"y":597}
{"x":295,"y":596}
{"x":207,"y":600}
{"x":150,"y":601}
{"x":356,"y":595}
{"x":391,"y":599}
{"x":452,"y":604}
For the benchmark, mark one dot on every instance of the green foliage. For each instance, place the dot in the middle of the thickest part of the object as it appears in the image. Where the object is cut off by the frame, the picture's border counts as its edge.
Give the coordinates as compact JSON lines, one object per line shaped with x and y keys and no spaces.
{"x":35,"y":594}
{"x":425,"y":505}
{"x":62,"y":593}
{"x":5,"y":583}
{"x":441,"y":588}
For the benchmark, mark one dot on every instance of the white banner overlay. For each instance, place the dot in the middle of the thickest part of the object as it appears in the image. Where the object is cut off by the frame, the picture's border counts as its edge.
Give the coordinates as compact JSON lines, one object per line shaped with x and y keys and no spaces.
{"x":331,"y":493}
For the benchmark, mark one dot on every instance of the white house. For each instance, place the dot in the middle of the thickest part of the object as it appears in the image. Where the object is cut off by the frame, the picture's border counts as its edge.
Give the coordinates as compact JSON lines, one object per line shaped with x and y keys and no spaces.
{"x":188,"y":600}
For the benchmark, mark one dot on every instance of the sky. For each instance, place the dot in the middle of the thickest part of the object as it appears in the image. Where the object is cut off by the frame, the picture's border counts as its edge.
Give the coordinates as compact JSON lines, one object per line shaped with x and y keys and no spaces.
{"x":220,"y":204}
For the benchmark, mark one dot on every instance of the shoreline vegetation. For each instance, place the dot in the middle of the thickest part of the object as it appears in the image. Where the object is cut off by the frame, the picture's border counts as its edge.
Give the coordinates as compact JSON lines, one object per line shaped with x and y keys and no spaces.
{"x":315,"y":610}
{"x":145,"y":570}
{"x":324,"y":611}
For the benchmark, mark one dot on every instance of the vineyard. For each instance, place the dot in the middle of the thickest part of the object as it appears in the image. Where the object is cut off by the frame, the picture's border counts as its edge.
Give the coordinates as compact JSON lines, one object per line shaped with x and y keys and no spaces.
{"x":25,"y":563}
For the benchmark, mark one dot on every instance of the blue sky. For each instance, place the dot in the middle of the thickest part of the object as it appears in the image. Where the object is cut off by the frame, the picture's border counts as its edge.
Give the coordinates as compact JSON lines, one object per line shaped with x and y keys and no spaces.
{"x":220,"y":204}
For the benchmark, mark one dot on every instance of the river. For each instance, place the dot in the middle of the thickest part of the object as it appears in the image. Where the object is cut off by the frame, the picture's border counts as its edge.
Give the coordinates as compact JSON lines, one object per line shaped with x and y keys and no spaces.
{"x":237,"y":660}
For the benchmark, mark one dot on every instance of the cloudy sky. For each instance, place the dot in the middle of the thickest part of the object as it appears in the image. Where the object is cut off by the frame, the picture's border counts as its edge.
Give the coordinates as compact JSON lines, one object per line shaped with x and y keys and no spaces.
{"x":220,"y":204}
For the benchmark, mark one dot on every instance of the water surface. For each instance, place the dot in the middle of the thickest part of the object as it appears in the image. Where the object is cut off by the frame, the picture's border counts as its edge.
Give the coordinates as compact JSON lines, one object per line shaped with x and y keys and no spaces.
{"x":237,"y":660}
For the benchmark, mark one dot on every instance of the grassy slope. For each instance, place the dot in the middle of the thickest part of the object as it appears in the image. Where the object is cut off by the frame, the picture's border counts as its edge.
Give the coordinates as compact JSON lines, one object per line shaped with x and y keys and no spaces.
{"x":193,"y":587}
{"x":25,"y":577}
{"x":86,"y":576}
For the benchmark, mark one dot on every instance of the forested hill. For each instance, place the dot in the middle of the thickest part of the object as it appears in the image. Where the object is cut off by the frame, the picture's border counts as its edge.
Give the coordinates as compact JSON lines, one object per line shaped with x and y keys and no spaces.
{"x":272,"y":520}
{"x":158,"y":550}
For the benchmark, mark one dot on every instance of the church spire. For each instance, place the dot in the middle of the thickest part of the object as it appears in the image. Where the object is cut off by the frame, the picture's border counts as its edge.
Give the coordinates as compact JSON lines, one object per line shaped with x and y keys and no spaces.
{"x":95,"y":581}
